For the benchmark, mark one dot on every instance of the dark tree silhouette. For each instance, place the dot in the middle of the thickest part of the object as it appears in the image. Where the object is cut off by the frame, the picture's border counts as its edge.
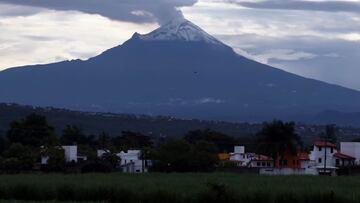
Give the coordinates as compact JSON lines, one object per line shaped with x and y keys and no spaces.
{"x":277,"y":138}
{"x":73,"y":135}
{"x":223,"y":142}
{"x":33,"y":130}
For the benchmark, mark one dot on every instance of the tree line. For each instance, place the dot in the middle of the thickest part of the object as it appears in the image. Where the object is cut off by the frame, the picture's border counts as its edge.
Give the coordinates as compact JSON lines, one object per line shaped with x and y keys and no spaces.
{"x":27,"y":139}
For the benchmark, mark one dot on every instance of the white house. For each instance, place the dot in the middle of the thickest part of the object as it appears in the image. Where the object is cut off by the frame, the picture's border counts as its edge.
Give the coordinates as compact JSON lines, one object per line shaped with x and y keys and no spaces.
{"x":251,"y":160}
{"x":71,"y":153}
{"x":131,"y":162}
{"x":352,"y":149}
{"x":325,"y":158}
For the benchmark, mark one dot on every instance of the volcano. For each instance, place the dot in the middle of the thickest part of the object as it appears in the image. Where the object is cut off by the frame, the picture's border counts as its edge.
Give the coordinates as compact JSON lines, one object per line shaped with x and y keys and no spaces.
{"x":176,"y":70}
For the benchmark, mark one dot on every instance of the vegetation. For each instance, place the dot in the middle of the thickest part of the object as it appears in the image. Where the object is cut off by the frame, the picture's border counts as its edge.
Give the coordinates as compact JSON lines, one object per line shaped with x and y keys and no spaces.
{"x":175,"y":188}
{"x":277,"y":138}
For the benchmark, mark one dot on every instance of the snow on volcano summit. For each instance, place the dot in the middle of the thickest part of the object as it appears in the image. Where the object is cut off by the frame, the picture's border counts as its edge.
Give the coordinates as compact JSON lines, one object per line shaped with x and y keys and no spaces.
{"x":181,"y":29}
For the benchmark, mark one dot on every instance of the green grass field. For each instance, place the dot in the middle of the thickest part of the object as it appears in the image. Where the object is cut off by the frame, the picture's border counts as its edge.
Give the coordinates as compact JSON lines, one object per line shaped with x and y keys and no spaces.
{"x":178,"y":188}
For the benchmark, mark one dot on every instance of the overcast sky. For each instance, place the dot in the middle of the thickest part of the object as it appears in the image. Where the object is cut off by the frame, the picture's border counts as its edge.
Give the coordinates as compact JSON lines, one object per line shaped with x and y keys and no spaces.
{"x":315,"y":38}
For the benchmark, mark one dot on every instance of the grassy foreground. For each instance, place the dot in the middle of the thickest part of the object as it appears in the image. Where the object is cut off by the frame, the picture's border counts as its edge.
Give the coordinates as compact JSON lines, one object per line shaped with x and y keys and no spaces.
{"x":178,"y":188}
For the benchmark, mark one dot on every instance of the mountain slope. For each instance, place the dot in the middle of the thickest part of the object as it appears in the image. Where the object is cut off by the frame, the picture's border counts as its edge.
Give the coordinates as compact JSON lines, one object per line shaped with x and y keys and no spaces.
{"x":177,"y":70}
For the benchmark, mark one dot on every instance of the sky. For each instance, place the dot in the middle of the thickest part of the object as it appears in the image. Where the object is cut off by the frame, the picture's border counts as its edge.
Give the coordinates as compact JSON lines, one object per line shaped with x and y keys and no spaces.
{"x":318,"y":39}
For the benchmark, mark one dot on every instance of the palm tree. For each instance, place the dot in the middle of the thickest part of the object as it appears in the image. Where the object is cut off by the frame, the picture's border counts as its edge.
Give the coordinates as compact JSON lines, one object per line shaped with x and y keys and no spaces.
{"x":277,"y":138}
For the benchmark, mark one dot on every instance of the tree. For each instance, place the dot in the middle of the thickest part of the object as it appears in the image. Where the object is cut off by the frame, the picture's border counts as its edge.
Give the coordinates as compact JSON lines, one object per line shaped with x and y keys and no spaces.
{"x":330,"y":134}
{"x":19,"y":157}
{"x":32,"y":131}
{"x":3,"y":144}
{"x":132,"y":140}
{"x":224,"y":143}
{"x":73,"y":135}
{"x":104,"y":141}
{"x":277,"y":138}
{"x":111,"y":159}
{"x":203,"y":157}
{"x":173,"y":156}
{"x":56,"y":161}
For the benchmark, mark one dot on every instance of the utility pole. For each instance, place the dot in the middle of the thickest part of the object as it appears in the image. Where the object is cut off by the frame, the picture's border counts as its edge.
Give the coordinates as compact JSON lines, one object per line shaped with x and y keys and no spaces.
{"x":325,"y":156}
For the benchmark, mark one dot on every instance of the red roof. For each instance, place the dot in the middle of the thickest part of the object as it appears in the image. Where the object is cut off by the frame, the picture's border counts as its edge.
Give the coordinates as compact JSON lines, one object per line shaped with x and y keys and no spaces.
{"x":324,"y":144}
{"x":343,"y":156}
{"x":262,"y":158}
{"x":303,"y":156}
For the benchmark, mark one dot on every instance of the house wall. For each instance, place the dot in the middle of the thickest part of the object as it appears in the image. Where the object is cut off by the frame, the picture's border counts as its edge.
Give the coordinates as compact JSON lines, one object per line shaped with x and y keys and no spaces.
{"x":261,"y":164}
{"x":352,"y":149}
{"x":283,"y":171}
{"x":287,"y":160}
{"x":244,"y":158}
{"x":316,"y":155}
{"x":71,"y":153}
{"x":131,"y":161}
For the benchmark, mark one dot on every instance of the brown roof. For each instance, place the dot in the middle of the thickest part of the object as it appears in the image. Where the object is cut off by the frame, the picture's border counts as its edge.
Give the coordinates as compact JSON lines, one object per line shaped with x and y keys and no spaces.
{"x":324,"y":144}
{"x":343,"y":156}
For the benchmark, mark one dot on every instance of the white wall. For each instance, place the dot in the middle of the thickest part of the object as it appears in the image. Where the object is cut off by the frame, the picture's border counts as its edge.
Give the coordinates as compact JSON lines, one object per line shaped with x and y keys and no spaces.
{"x":132,"y":157}
{"x":239,"y":149}
{"x":315,"y":154}
{"x":351,"y":149}
{"x":71,"y":153}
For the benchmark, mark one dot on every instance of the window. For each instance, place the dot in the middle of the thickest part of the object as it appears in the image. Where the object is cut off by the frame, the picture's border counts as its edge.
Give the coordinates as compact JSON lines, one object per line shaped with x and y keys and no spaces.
{"x":332,"y":150}
{"x":263,"y":164}
{"x":258,"y":163}
{"x":320,"y":148}
{"x":320,"y":160}
{"x":337,"y":162}
{"x":268,"y":164}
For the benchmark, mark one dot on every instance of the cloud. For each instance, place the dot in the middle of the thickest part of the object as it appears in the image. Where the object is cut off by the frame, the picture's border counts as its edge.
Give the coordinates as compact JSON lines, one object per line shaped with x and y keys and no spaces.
{"x":277,"y":55}
{"x":139,"y":11}
{"x":328,"y":6}
{"x":30,"y":39}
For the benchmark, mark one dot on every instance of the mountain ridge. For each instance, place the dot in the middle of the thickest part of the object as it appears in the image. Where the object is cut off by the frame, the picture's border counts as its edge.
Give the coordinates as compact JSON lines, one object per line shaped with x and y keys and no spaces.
{"x":175,"y":77}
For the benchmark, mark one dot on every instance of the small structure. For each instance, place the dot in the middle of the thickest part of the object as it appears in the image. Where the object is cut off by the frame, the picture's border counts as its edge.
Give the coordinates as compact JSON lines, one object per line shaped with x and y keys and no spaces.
{"x":100,"y":152}
{"x":224,"y":156}
{"x":71,"y":153}
{"x":131,"y":162}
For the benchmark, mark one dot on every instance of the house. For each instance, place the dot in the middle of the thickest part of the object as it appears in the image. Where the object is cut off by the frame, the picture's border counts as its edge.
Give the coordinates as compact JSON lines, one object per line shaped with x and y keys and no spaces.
{"x":352,"y":149}
{"x":325,"y":158}
{"x":250,"y":160}
{"x":131,"y":162}
{"x":261,"y":161}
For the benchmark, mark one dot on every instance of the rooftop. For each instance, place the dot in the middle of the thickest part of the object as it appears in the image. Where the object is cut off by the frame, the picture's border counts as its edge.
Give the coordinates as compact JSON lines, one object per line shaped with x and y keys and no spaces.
{"x":324,"y":144}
